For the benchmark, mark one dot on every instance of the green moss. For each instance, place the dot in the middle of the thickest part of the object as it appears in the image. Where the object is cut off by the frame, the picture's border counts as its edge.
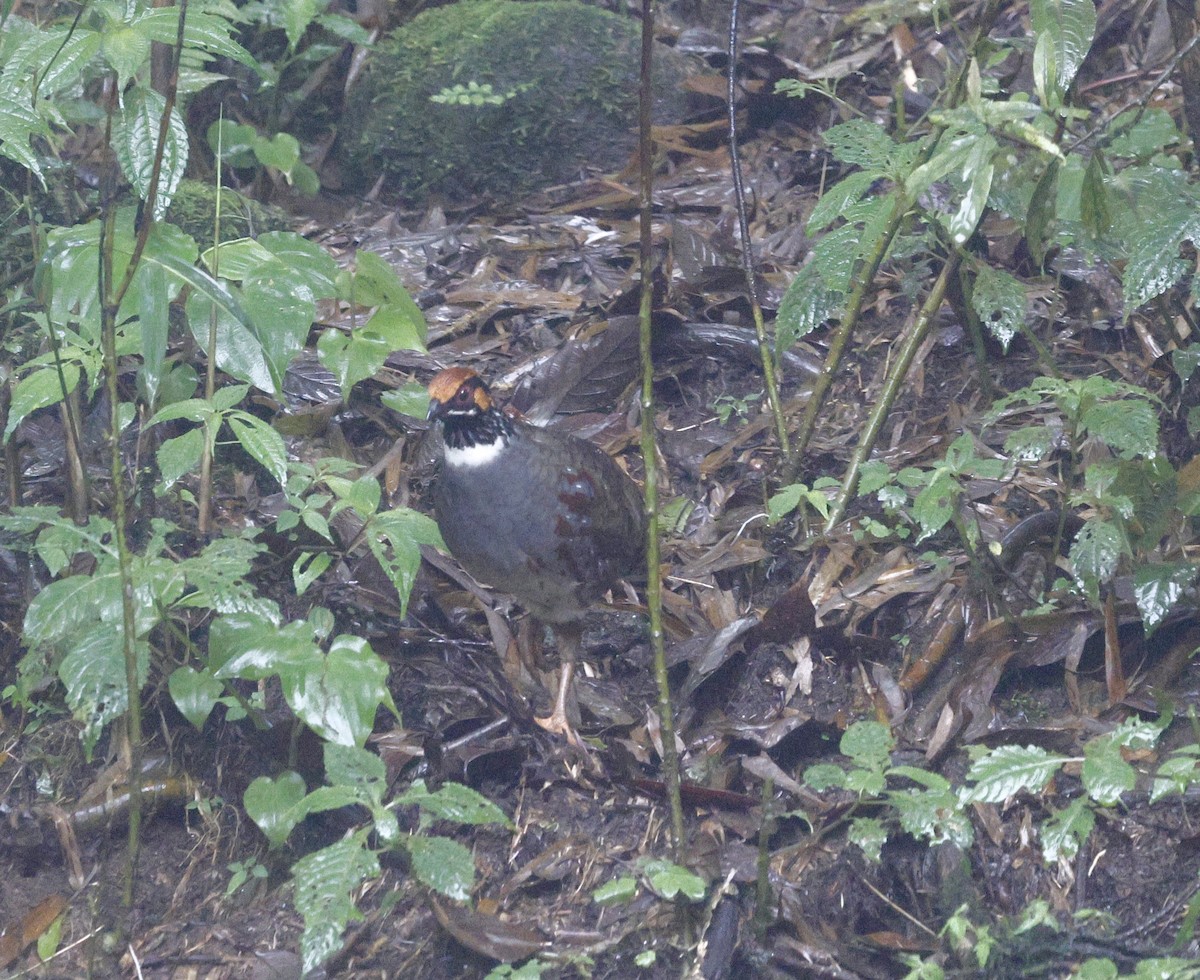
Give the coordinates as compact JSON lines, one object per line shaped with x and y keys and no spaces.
{"x":567,"y":78}
{"x":195,"y":203}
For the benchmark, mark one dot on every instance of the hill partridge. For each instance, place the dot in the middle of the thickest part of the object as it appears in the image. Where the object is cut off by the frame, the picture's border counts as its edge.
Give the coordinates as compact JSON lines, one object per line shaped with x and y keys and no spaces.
{"x":548,"y":518}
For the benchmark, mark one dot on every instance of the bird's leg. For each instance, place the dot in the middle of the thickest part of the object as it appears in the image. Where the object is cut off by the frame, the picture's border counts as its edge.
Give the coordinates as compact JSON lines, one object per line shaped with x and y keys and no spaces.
{"x":569,"y":637}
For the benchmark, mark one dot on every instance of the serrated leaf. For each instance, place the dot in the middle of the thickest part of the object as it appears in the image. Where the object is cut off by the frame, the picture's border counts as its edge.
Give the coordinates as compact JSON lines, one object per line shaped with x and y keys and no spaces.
{"x":456,"y":803}
{"x":616,"y":892}
{"x":870,"y":834}
{"x":326,"y":882}
{"x":671,"y":880}
{"x":999,"y":301}
{"x":1129,"y":426}
{"x":1095,"y":554}
{"x":262,"y":442}
{"x":825,"y":775}
{"x":868,"y":743}
{"x":806,"y":305}
{"x":1008,"y":770}
{"x":831,"y":205}
{"x":1105,"y":773}
{"x":1158,"y":589}
{"x":443,"y":864}
{"x":936,"y":503}
{"x":1064,"y":833}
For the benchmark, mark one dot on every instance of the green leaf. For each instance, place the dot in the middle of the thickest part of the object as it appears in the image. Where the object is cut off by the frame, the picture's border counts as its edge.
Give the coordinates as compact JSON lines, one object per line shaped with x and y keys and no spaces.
{"x":1005,"y":771}
{"x":1064,"y":833}
{"x":396,"y":544}
{"x":454,"y":802}
{"x":831,"y":205}
{"x":999,"y":300}
{"x":326,"y":882}
{"x":93,"y":672}
{"x":785,"y":501}
{"x":338,"y":697}
{"x":206,"y":30}
{"x":443,"y":864}
{"x":247,"y":647}
{"x":936,"y":503}
{"x":352,"y":357}
{"x":868,"y":743}
{"x":1158,"y":589}
{"x":619,"y":891}
{"x":309,"y":567}
{"x":281,"y":151}
{"x":825,"y":775}
{"x":861,"y":142}
{"x":1095,"y":554}
{"x":71,"y":604}
{"x":282,"y":305}
{"x":806,"y":305}
{"x":18,"y":125}
{"x":352,"y":765}
{"x":1129,"y":426}
{"x":1064,"y":30}
{"x":179,"y":456}
{"x":1031,"y":444}
{"x":39,"y":389}
{"x":670,"y":880}
{"x":135,"y":139}
{"x":126,"y":50}
{"x":870,"y":834}
{"x":1177,"y":772}
{"x":375,"y":283}
{"x":933,"y":811}
{"x":262,"y":442}
{"x":978,"y":171}
{"x":194,"y":693}
{"x":238,"y":259}
{"x":239,"y":351}
{"x":411,"y":399}
{"x":1106,"y":774}
{"x":269,"y":802}
{"x":305,"y":259}
{"x":297,"y":15}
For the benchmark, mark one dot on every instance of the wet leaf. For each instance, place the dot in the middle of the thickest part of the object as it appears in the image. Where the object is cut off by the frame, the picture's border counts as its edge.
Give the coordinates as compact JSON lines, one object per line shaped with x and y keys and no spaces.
{"x":1007,"y":770}
{"x":1106,"y":774}
{"x":616,"y":892}
{"x":1158,"y":588}
{"x":269,"y":804}
{"x":443,"y":864}
{"x":194,"y":693}
{"x":455,"y":802}
{"x":670,"y":880}
{"x":325,"y":884}
{"x":1064,"y":833}
{"x":337,"y":696}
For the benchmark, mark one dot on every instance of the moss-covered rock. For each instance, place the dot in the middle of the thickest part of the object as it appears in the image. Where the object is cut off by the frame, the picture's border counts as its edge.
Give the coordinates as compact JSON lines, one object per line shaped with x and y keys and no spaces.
{"x":498,"y":98}
{"x":195,"y":204}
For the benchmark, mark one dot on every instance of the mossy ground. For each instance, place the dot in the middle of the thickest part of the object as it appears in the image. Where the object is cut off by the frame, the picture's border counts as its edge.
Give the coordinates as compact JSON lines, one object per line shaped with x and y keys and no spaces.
{"x":567,"y":77}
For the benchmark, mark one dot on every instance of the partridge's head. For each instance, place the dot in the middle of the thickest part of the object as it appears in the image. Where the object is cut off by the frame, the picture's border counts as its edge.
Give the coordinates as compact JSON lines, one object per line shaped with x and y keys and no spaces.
{"x":458,"y":392}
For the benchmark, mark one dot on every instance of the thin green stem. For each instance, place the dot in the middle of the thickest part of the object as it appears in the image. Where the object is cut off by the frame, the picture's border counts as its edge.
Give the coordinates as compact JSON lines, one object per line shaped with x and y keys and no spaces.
{"x":649,"y":443}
